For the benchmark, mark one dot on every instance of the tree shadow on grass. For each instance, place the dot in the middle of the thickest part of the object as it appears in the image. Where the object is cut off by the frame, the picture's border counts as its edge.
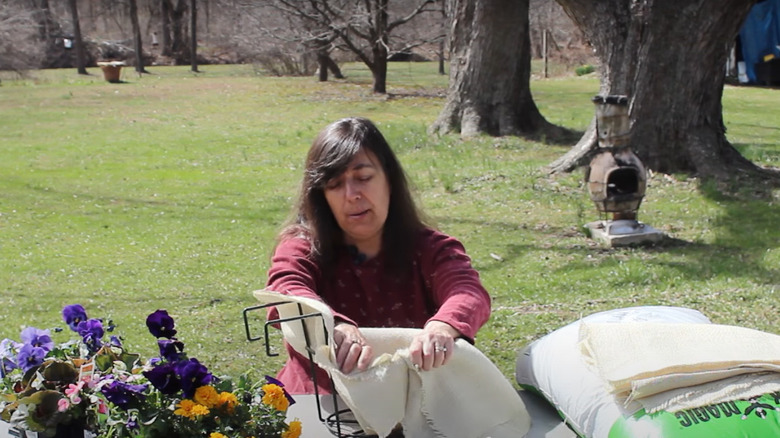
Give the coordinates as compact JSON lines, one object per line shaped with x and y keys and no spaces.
{"x":737,"y":253}
{"x":430,"y":93}
{"x":556,"y":135}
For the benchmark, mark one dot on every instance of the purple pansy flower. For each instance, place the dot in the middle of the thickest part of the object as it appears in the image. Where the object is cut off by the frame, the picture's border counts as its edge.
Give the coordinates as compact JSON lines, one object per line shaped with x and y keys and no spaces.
{"x":123,"y":394}
{"x":37,"y":338}
{"x":132,"y":425}
{"x":73,"y":315}
{"x":170,"y":349}
{"x":92,"y":328}
{"x":160,"y":324}
{"x":92,"y":332}
{"x":278,"y":383}
{"x":164,"y":378}
{"x":30,"y":357}
{"x":114,"y":341}
{"x":193,"y":375}
{"x":8,"y":349}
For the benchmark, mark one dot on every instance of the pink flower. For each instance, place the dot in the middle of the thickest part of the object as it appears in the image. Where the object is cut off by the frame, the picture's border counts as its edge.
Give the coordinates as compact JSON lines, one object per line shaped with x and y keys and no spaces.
{"x":74,"y":388}
{"x":63,"y":404}
{"x":72,"y":391}
{"x":102,"y":407}
{"x":90,"y":380}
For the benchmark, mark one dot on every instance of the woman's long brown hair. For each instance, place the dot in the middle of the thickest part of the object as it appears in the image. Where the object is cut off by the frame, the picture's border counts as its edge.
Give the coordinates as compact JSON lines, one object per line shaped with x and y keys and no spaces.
{"x":330,"y":154}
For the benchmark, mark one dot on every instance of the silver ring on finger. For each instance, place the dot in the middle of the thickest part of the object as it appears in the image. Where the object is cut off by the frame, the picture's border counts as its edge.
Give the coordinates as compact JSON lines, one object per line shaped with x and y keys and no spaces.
{"x":438,"y":348}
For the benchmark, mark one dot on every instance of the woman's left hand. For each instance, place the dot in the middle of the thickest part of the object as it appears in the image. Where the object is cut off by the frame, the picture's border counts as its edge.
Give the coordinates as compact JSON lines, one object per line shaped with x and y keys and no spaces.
{"x":434,"y":346}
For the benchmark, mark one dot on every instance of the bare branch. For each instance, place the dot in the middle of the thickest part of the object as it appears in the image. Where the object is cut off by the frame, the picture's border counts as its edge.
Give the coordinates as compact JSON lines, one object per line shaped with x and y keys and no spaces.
{"x":422,"y":7}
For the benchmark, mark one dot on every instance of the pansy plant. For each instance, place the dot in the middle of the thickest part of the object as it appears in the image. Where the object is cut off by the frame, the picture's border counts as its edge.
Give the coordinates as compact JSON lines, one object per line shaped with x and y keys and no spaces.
{"x":93,"y":383}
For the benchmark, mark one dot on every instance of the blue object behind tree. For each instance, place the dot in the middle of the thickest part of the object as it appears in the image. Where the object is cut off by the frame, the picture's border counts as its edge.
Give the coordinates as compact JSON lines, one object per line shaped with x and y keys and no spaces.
{"x":760,"y":35}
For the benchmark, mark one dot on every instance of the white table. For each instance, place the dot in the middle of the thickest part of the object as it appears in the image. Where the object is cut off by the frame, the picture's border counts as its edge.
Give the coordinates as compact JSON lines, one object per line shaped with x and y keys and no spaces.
{"x":545,"y":422}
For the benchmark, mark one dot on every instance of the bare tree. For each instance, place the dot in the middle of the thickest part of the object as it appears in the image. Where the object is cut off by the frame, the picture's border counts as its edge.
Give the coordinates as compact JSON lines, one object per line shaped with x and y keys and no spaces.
{"x":165,"y":15}
{"x":78,"y":41}
{"x":282,"y":44}
{"x":490,"y":69}
{"x":669,"y":58}
{"x":193,"y":35}
{"x":174,"y":29}
{"x":46,"y":23}
{"x":363,"y":27}
{"x":137,"y":43}
{"x":445,"y":20}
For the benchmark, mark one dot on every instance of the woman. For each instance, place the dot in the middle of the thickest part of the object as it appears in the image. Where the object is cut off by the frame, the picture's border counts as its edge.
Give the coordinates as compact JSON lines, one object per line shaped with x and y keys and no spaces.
{"x":359,"y":245}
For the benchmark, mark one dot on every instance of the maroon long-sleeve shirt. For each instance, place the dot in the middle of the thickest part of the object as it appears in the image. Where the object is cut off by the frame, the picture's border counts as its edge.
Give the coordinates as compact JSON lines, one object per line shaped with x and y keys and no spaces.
{"x":443,"y":286}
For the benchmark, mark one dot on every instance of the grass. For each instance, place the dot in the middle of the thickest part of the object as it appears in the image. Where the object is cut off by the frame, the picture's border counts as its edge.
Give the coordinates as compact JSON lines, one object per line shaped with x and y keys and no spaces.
{"x":166,"y":191}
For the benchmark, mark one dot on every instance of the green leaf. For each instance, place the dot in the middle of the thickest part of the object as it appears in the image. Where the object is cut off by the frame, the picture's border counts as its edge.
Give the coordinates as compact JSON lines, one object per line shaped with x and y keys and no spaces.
{"x":129,"y":359}
{"x":57,"y":371}
{"x":43,"y":410}
{"x":104,"y":362}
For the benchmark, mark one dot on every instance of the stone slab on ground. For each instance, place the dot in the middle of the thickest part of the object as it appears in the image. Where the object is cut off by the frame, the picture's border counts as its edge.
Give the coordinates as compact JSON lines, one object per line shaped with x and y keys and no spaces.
{"x":623,"y":233}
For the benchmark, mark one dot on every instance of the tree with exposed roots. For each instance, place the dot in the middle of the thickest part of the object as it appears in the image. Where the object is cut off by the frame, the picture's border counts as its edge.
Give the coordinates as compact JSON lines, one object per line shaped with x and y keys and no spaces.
{"x":669,"y":58}
{"x":490,"y":70}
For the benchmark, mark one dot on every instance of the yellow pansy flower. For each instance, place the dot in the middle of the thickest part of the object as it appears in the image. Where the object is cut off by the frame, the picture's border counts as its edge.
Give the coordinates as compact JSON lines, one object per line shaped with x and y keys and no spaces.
{"x":207,"y":396}
{"x":228,"y":400}
{"x":274,"y":397}
{"x":190,"y":409}
{"x":294,"y":431}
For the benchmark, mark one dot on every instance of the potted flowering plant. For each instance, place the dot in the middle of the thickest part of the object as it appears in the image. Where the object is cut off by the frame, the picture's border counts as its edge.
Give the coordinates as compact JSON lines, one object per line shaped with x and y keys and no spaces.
{"x":93,"y":384}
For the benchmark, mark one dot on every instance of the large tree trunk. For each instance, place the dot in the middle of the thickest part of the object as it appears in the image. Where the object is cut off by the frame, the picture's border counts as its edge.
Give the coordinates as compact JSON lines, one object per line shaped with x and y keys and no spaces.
{"x":668,"y":57}
{"x":79,"y":42}
{"x":379,"y":68}
{"x":490,"y":69}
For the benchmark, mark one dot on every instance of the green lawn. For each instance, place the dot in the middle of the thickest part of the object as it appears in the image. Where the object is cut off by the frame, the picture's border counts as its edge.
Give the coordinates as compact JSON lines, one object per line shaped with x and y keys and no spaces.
{"x":167,"y":191}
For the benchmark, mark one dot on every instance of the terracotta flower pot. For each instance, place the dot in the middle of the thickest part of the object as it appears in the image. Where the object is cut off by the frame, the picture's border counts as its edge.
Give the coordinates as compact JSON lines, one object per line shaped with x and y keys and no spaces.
{"x":111,"y":70}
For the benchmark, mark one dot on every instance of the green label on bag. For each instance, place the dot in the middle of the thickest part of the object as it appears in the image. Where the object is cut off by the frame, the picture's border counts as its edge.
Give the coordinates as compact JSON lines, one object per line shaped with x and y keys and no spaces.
{"x":755,"y":417}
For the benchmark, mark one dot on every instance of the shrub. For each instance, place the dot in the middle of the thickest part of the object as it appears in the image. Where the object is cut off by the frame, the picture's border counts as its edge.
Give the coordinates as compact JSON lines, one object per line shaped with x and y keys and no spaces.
{"x":584,"y":69}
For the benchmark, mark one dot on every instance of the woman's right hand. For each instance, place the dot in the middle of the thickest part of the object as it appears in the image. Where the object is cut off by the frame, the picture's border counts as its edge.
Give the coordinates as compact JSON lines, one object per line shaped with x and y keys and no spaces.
{"x":352,"y":351}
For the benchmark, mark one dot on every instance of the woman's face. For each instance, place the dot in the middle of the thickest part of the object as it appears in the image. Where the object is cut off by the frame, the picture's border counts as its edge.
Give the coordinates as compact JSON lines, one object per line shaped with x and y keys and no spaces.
{"x":359,"y":199}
